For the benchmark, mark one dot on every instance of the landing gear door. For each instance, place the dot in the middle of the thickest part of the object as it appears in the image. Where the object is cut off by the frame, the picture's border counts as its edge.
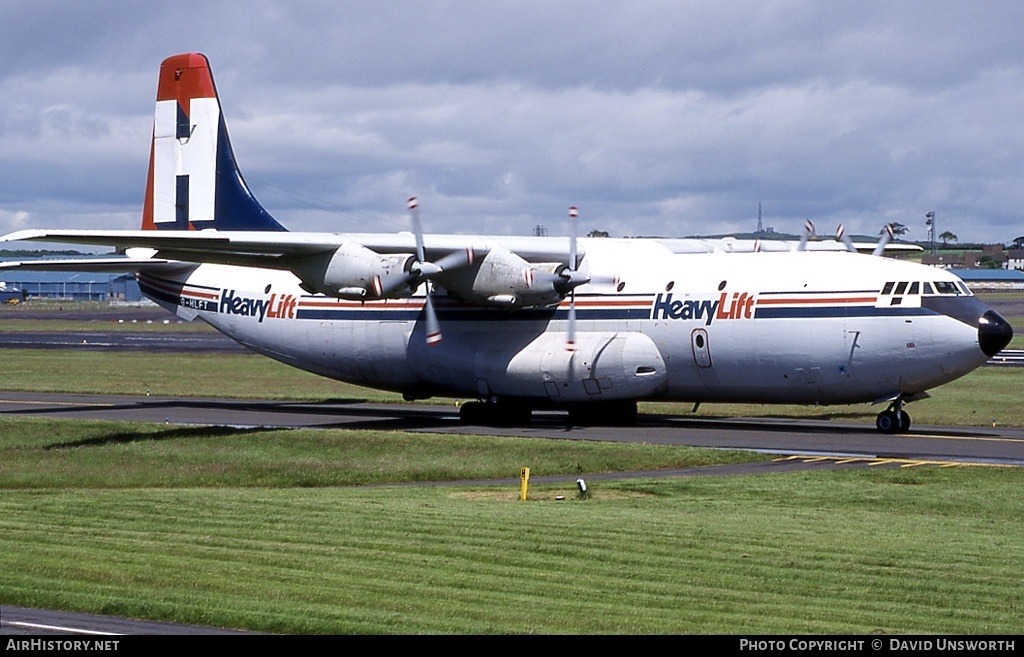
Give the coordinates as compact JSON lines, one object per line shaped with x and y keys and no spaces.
{"x":701,"y":349}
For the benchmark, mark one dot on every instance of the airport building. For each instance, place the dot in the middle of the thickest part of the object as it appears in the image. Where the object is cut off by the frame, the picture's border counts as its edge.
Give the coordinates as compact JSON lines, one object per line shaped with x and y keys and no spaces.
{"x":73,"y":286}
{"x":992,"y":280}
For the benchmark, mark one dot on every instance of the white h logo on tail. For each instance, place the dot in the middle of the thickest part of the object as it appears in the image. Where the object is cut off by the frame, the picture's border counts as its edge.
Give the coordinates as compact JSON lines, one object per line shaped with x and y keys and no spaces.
{"x":185,"y":162}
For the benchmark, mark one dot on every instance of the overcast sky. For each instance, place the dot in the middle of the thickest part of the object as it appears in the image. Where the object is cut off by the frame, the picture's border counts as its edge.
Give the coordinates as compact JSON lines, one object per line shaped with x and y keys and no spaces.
{"x":654,"y":118}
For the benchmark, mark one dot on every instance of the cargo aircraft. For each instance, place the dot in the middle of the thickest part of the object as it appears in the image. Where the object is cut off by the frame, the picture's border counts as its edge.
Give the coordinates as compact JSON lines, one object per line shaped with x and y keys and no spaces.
{"x":590,"y":326}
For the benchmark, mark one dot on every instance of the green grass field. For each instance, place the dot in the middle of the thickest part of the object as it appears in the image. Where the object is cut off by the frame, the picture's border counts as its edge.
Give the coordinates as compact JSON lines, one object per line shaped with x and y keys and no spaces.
{"x":888,"y":551}
{"x":40,"y":453}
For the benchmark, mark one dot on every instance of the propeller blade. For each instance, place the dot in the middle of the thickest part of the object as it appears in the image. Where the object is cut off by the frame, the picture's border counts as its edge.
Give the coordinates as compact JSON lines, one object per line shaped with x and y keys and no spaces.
{"x":573,"y":215}
{"x":886,"y":236}
{"x":417,"y":228}
{"x":424,"y":270}
{"x":433,"y":326}
{"x":570,"y":338}
{"x":845,"y":239}
{"x":573,"y":280}
{"x":456,"y":259}
{"x":808,"y":234}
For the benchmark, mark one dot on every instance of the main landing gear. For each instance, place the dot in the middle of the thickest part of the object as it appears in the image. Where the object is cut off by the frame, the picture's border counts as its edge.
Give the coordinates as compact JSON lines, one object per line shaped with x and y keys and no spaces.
{"x":894,"y":419}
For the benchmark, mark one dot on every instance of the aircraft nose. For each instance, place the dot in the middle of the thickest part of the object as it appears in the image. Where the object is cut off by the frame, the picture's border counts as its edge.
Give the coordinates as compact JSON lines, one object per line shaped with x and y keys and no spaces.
{"x":994,"y":333}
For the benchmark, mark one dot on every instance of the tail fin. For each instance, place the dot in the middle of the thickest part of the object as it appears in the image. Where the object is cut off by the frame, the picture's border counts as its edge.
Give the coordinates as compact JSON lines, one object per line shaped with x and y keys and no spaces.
{"x":194,"y":182}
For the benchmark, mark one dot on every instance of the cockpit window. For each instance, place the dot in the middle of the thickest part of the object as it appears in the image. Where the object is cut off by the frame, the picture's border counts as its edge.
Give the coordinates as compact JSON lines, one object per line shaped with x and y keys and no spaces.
{"x":900,"y":288}
{"x":888,"y":288}
{"x":946,"y":287}
{"x":913,"y":288}
{"x":928,"y":288}
{"x":963,"y":288}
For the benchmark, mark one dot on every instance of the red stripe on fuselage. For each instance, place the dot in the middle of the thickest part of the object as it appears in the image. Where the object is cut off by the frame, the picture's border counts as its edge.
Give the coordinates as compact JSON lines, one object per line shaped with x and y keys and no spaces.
{"x":761,"y":301}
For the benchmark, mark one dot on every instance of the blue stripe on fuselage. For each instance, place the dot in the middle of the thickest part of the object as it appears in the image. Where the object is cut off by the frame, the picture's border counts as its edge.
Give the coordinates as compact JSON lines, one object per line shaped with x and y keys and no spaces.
{"x":839,"y":311}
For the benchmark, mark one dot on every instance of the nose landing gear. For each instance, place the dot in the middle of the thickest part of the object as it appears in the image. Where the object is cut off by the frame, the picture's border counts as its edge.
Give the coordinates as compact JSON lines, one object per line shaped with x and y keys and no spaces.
{"x":894,"y":419}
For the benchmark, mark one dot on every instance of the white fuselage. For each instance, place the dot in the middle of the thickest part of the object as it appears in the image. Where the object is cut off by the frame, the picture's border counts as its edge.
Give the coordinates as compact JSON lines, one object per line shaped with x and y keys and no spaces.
{"x":760,"y":327}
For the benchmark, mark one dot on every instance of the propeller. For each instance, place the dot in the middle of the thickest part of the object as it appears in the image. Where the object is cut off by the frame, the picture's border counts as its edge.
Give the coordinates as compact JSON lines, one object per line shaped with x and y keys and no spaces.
{"x":887,"y":234}
{"x":570,"y":339}
{"x":570,"y":278}
{"x":808,"y":234}
{"x":845,"y":239}
{"x":423,"y":270}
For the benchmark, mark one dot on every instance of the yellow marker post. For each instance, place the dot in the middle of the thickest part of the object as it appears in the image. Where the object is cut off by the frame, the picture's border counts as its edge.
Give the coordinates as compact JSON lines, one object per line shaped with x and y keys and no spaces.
{"x":524,"y":477}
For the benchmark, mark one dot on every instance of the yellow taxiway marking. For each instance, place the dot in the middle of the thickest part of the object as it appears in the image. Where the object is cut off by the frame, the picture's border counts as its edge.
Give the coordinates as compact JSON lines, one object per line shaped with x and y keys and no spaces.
{"x":872,"y":462}
{"x":995,"y":439}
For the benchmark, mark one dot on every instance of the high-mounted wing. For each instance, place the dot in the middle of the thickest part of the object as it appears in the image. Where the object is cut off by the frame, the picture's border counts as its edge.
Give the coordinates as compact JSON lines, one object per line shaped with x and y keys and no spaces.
{"x":342,"y":265}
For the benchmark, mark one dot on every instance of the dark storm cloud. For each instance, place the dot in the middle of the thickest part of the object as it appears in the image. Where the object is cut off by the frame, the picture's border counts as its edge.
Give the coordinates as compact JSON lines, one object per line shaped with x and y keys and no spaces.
{"x":653,"y":117}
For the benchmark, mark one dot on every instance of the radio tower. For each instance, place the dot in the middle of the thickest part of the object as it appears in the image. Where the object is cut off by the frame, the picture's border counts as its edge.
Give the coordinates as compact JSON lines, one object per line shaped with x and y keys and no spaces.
{"x":760,"y":226}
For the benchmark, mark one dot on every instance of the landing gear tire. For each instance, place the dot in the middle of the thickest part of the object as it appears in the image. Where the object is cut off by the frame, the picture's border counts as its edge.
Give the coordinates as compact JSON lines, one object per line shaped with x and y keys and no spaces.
{"x":887,"y":422}
{"x":473,"y":413}
{"x":892,"y":421}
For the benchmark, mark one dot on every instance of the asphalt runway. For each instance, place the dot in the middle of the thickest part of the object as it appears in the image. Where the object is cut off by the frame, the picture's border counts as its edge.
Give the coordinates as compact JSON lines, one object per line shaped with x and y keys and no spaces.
{"x":101,"y":630}
{"x":815,"y":443}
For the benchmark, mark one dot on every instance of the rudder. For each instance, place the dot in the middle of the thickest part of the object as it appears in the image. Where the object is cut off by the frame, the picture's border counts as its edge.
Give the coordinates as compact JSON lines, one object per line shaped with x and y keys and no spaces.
{"x":194,"y":182}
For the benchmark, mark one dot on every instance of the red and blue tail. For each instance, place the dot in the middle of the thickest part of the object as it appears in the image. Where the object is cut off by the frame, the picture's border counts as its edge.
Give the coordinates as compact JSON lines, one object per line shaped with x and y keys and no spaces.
{"x":194,"y":182}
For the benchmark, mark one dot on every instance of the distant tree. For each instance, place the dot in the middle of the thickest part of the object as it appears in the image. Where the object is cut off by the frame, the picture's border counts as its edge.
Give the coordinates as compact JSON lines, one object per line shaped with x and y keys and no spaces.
{"x":898,"y":229}
{"x":1018,"y":242}
{"x":598,"y":233}
{"x":988,"y":262}
{"x":947,"y":237}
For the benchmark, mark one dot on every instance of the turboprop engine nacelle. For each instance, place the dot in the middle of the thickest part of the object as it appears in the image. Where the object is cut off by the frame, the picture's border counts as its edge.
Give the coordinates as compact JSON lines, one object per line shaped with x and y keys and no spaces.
{"x":505,"y":279}
{"x":355,"y":272}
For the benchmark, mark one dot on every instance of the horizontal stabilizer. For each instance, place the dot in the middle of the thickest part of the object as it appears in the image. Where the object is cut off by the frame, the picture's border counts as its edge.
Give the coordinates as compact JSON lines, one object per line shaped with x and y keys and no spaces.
{"x":116,"y":264}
